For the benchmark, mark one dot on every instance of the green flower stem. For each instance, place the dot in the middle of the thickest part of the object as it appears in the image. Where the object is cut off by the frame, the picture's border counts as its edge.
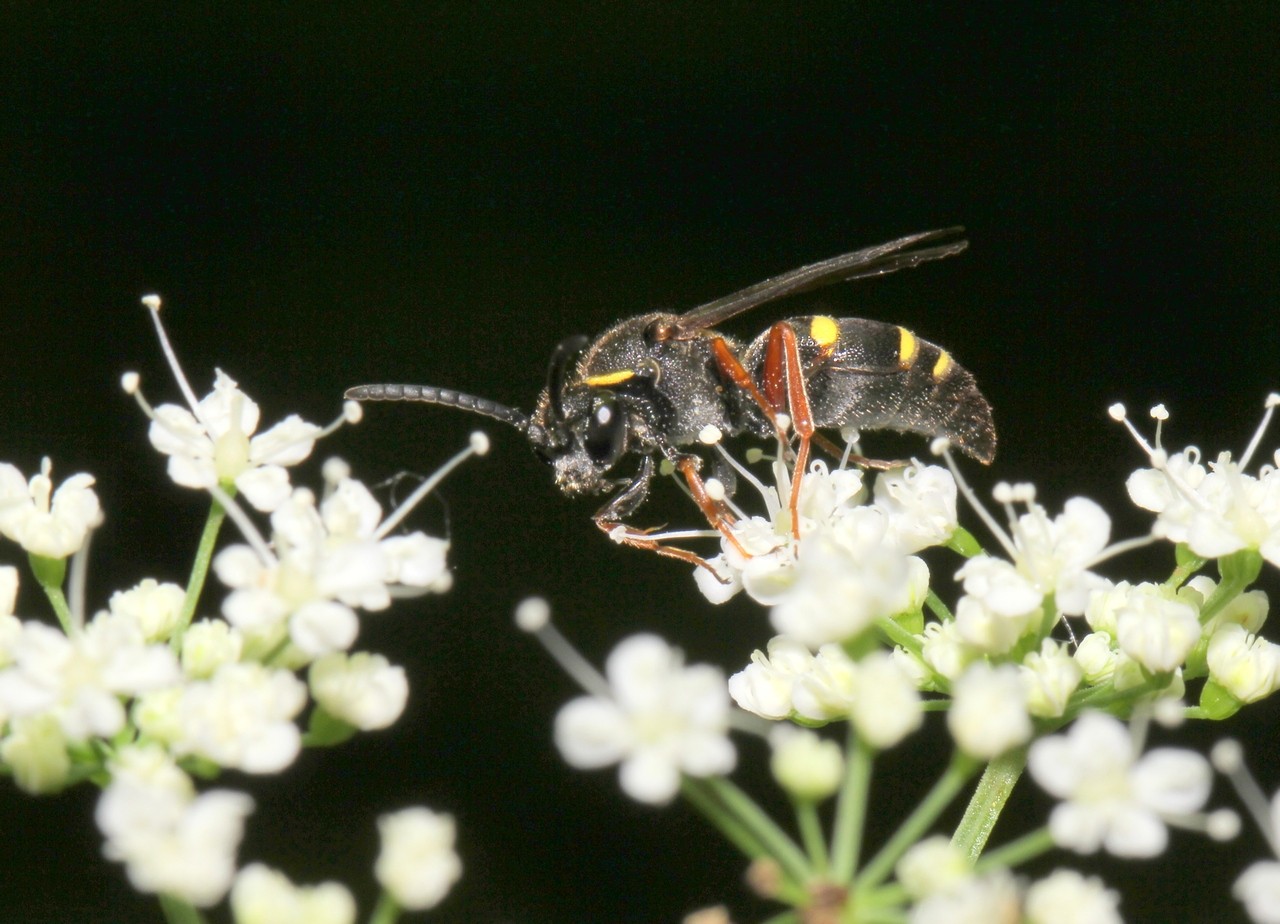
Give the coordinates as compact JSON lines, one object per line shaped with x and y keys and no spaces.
{"x":742,"y":821}
{"x":1016,"y":852}
{"x":176,"y":911}
{"x":898,"y":635}
{"x":851,"y":809}
{"x":1185,"y":569}
{"x":963,"y":542}
{"x":50,"y":573}
{"x":937,"y":607}
{"x":387,"y":911}
{"x":988,"y":801}
{"x":1238,"y":571}
{"x":811,"y":834}
{"x":199,"y":569}
{"x":953,"y":779}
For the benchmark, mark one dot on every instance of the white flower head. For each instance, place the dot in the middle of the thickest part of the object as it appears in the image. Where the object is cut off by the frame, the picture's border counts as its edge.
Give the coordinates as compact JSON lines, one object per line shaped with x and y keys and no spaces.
{"x":764,"y":687}
{"x":885,"y":705}
{"x":171,"y":840}
{"x":262,"y":895}
{"x":805,"y":765}
{"x":660,"y":719}
{"x":214,"y":443}
{"x":243,"y":718}
{"x":1156,"y":628}
{"x":826,"y":690}
{"x":207,"y":645}
{"x":921,"y":503}
{"x":988,"y":899}
{"x":1247,"y":666}
{"x":35,"y":752}
{"x":417,"y":863}
{"x":81,"y":680}
{"x":362,"y":689}
{"x":988,"y":713}
{"x":154,"y":606}
{"x":1215,"y":510}
{"x":1258,"y":888}
{"x":1067,"y":897}
{"x":1050,"y":675}
{"x":47,"y":522}
{"x":1112,"y":798}
{"x":932,"y":865}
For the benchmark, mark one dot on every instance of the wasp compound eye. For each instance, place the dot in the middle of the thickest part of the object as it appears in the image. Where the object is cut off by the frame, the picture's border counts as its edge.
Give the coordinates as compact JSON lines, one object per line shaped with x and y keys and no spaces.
{"x":606,"y":435}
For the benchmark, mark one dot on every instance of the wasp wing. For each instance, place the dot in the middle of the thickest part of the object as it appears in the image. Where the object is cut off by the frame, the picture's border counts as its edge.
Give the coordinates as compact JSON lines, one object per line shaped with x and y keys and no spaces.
{"x":861,"y":264}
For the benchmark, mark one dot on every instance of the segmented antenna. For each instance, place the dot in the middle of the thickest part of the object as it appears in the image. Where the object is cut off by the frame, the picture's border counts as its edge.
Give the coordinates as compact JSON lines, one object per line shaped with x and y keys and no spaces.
{"x":447,"y":397}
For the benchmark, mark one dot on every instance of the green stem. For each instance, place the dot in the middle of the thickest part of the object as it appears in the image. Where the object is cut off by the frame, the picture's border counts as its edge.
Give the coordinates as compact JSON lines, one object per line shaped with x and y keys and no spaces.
{"x":387,"y":911}
{"x":724,"y":802}
{"x":953,"y":779}
{"x":1238,"y":570}
{"x":937,"y":607}
{"x":177,"y":911}
{"x":49,"y":573}
{"x":200,"y":569}
{"x":1016,"y":852}
{"x":988,"y":801}
{"x":811,"y":834}
{"x":851,"y":808}
{"x":963,"y":542}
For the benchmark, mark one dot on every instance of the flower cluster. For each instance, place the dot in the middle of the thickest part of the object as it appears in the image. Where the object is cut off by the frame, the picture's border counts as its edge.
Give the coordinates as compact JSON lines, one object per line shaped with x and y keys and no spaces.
{"x":141,"y":696}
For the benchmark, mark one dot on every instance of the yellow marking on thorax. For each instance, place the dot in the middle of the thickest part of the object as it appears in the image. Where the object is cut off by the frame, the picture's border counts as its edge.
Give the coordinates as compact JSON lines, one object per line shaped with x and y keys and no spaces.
{"x":943,"y":365}
{"x":605,"y":379}
{"x":908,"y":347}
{"x":824,"y":330}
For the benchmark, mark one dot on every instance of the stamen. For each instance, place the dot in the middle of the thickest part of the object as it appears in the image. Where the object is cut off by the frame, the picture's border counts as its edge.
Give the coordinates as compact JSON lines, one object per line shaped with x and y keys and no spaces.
{"x":1227,"y":758}
{"x":771,"y":502}
{"x":78,"y":578}
{"x":478,"y":447}
{"x":1272,"y":400}
{"x":943,"y":446}
{"x":153,"y":303}
{"x":534,"y":616}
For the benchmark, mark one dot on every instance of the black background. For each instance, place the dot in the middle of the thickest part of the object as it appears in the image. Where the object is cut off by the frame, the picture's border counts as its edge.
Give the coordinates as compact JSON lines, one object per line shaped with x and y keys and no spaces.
{"x":327,"y":195}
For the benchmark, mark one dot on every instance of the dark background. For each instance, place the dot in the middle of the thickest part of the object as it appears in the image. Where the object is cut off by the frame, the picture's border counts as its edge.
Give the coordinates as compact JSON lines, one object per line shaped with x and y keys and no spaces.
{"x":438,"y":193}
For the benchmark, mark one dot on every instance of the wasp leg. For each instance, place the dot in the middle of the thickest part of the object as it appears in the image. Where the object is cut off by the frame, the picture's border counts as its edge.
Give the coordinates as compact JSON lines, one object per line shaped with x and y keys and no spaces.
{"x":782,"y":363}
{"x":731,"y":367}
{"x":609,"y":519}
{"x":716,"y":514}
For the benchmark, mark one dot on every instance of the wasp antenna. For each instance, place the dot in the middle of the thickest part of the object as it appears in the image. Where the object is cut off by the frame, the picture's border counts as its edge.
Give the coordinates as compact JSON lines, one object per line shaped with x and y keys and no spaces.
{"x":447,"y":397}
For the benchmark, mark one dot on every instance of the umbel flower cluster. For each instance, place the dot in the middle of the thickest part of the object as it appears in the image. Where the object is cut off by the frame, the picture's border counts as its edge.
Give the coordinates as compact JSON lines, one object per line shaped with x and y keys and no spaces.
{"x":1042,"y":664}
{"x":156,"y":690}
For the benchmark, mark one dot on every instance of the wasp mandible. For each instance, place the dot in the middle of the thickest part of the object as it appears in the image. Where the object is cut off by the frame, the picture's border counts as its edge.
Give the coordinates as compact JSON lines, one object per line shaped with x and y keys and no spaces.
{"x":651,"y":384}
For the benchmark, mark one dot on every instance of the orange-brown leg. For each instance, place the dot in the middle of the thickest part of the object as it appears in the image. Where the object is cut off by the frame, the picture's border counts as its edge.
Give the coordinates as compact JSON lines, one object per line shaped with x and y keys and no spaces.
{"x":637,"y":540}
{"x":716,"y":514}
{"x":732,"y":367}
{"x":798,"y":405}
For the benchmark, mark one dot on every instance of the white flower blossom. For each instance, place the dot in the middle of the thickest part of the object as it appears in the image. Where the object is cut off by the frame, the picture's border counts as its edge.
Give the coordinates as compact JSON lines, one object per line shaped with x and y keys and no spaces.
{"x":216,"y":445}
{"x":243,"y":718}
{"x":262,"y":895}
{"x":921,"y":503}
{"x":1155,"y":628}
{"x":1050,"y":676}
{"x":417,"y":863}
{"x":1096,"y":656}
{"x":35,"y":752}
{"x":1112,"y":798}
{"x":45,"y":522}
{"x":885,"y":705}
{"x":764,"y":686}
{"x":81,"y":680}
{"x":1067,"y":897}
{"x":209,"y":644}
{"x":1258,"y":888}
{"x":362,"y":689}
{"x":154,"y":606}
{"x":989,"y":899}
{"x":1246,"y":666}
{"x":945,"y":651}
{"x":661,"y":719}
{"x":805,"y":765}
{"x":932,"y":865}
{"x":988,"y":713}
{"x":826,"y":690}
{"x":171,"y":840}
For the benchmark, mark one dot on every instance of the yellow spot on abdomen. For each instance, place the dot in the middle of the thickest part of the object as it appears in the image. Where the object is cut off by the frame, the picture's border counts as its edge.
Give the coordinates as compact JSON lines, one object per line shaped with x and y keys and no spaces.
{"x":943,"y":364}
{"x":824,"y":330}
{"x":605,"y":379}
{"x":907,"y":348}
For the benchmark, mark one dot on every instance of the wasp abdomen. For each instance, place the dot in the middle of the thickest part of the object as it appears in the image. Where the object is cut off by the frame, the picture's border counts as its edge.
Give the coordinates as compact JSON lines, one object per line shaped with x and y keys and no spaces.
{"x":876,"y":376}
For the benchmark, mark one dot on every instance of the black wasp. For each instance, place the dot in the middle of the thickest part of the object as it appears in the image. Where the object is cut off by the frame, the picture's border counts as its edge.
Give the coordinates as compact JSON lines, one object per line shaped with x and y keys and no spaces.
{"x":652,"y":384}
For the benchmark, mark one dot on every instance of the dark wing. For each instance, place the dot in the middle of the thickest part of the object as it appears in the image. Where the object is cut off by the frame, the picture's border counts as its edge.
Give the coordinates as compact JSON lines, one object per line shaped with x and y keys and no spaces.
{"x":861,"y":264}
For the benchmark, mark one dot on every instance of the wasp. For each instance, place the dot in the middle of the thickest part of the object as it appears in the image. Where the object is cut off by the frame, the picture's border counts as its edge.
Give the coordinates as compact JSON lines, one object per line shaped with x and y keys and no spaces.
{"x":651,"y":385}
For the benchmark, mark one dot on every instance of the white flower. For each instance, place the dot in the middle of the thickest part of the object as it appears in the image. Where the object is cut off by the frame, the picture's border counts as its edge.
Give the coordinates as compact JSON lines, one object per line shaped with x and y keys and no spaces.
{"x":262,"y":895}
{"x":1246,"y":666}
{"x":826,"y":690}
{"x":805,"y":765}
{"x":171,"y":840}
{"x":1067,"y":897}
{"x":1000,"y":587}
{"x":885,"y":705}
{"x":362,"y":689}
{"x":417,"y":863}
{"x":1112,"y":799}
{"x":989,"y":631}
{"x":154,"y":606}
{"x":921,"y":503}
{"x":764,"y":686}
{"x":8,"y":592}
{"x":1155,"y":628}
{"x":1259,"y":889}
{"x":988,"y":713}
{"x":35,"y":752}
{"x":1096,"y":657}
{"x":80,"y":680}
{"x":932,"y":865}
{"x":944,"y":650}
{"x":45,"y":522}
{"x":661,"y":719}
{"x":216,"y":445}
{"x":1248,"y":609}
{"x":207,"y":645}
{"x":1050,"y":677}
{"x":243,"y":718}
{"x":989,"y":899}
